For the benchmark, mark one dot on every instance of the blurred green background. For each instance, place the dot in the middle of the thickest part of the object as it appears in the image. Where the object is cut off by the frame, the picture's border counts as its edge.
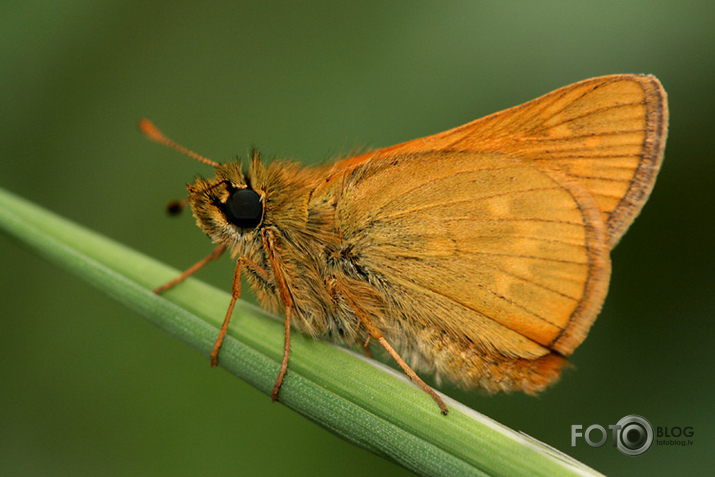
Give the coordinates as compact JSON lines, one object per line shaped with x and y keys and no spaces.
{"x":88,"y":388}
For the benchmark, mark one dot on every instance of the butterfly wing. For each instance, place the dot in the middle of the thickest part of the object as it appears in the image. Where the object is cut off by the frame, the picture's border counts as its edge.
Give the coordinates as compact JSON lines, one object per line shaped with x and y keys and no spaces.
{"x":489,"y":242}
{"x":607,"y":133}
{"x":483,"y":247}
{"x":493,"y":238}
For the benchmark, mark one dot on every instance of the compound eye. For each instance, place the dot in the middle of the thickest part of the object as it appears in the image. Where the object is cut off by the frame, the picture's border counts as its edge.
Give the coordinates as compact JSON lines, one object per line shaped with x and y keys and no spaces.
{"x":244,"y":208}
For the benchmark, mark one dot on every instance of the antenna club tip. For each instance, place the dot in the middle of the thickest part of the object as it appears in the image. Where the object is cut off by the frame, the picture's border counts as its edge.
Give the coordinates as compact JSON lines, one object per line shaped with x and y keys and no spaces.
{"x":149,"y":130}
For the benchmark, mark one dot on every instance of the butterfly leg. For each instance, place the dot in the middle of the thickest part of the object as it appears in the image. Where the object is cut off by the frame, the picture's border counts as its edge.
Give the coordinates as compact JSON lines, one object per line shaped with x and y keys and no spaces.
{"x":269,"y":242}
{"x":411,"y":374}
{"x":215,"y":254}
{"x":286,"y":353}
{"x":376,"y":334}
{"x":366,"y":347}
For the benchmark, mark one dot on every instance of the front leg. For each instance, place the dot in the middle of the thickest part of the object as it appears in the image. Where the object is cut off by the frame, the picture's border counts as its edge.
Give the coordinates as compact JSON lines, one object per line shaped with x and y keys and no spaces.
{"x":214,"y":255}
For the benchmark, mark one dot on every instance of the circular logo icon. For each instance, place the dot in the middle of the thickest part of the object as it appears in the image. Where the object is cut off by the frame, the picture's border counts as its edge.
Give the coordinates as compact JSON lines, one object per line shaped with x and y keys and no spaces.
{"x":634,"y":436}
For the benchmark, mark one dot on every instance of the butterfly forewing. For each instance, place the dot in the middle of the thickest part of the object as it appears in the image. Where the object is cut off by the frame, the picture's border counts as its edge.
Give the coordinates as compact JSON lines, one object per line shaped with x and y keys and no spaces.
{"x":607,"y":133}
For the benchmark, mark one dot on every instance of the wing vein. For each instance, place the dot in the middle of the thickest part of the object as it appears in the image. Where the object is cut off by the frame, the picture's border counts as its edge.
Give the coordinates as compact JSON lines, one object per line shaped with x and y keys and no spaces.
{"x":433,"y":205}
{"x":532,"y":282}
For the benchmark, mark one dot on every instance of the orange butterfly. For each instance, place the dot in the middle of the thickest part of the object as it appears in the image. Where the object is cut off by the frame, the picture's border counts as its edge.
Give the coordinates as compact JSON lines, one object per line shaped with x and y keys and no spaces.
{"x":480,"y":254}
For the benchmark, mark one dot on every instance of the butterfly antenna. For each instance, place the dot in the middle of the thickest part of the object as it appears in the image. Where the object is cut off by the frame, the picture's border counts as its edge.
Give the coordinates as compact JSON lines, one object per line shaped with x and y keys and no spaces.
{"x":152,"y":132}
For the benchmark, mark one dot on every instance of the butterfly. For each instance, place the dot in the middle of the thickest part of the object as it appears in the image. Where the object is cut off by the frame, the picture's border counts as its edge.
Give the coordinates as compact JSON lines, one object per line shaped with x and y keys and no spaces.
{"x":479,"y":254}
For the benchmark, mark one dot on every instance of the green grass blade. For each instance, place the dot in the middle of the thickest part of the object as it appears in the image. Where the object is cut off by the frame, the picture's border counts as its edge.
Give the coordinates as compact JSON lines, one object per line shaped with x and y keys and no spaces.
{"x":364,"y":402}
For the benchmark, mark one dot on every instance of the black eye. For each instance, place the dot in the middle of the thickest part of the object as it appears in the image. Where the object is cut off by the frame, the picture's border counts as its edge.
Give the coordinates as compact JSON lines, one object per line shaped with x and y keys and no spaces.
{"x":244,"y":208}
